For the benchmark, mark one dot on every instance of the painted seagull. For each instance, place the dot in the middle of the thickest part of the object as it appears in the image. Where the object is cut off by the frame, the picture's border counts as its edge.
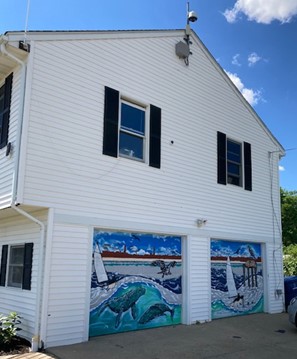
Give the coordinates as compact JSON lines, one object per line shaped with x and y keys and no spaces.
{"x":165,"y":268}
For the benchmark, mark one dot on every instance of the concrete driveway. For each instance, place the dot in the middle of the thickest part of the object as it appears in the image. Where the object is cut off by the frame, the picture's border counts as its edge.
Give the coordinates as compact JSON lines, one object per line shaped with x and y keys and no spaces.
{"x":254,"y":336}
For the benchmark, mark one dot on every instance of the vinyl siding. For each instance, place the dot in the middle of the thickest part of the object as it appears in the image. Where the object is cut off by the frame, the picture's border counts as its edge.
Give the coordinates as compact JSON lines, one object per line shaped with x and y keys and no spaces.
{"x":13,"y":231}
{"x":69,"y":286}
{"x":199,"y":282}
{"x":65,"y":167}
{"x":7,"y":162}
{"x":275,"y":277}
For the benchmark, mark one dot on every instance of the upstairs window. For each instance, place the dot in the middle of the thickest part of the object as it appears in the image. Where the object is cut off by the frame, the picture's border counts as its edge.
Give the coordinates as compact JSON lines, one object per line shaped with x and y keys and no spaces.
{"x":234,"y":170}
{"x":5,"y":98}
{"x":234,"y":162}
{"x":16,"y":266}
{"x":130,"y":130}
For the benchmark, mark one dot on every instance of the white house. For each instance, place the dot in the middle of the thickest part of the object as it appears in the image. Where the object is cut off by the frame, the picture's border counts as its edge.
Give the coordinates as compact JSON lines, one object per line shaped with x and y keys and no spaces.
{"x":138,"y":188}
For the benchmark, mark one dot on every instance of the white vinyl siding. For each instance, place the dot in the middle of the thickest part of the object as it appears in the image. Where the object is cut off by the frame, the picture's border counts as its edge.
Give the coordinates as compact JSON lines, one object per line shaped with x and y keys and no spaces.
{"x":65,"y":137}
{"x":18,"y":231}
{"x":275,"y":277}
{"x":69,"y":286}
{"x":199,"y":279}
{"x":7,"y":162}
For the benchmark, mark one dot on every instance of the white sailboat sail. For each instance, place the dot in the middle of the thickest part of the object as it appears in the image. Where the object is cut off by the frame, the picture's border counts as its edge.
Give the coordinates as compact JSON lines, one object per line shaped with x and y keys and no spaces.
{"x":99,"y":266}
{"x":230,"y":280}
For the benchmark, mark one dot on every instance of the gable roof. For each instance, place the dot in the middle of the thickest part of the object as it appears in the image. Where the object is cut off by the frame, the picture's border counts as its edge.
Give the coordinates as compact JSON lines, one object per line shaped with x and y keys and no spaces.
{"x":15,"y":36}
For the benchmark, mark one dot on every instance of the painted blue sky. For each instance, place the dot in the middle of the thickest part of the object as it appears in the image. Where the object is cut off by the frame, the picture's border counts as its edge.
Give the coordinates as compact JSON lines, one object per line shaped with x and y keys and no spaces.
{"x":254,"y":42}
{"x":136,"y":243}
{"x":234,"y":249}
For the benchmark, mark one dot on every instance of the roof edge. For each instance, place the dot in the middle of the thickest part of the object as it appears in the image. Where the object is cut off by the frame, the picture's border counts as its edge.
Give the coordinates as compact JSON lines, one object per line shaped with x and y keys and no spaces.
{"x":239,"y":94}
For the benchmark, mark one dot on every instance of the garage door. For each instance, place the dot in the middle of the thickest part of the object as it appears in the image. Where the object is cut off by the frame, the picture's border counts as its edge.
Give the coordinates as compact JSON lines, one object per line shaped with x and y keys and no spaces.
{"x":237,"y":283}
{"x":136,"y":282}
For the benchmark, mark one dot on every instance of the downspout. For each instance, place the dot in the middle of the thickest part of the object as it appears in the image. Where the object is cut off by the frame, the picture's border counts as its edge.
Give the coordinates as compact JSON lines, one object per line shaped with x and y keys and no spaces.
{"x":36,"y":341}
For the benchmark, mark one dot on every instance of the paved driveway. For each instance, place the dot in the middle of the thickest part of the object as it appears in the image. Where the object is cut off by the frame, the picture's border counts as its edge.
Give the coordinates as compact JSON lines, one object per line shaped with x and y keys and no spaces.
{"x":254,"y":336}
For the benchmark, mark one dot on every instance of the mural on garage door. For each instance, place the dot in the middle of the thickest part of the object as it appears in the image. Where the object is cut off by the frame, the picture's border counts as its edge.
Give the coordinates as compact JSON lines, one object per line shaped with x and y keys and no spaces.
{"x":136,"y":282}
{"x":236,"y":278}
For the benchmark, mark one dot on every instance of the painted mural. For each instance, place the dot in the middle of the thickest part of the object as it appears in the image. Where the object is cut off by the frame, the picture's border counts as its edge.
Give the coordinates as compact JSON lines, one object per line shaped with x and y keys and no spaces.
{"x":136,"y":282}
{"x":236,"y":278}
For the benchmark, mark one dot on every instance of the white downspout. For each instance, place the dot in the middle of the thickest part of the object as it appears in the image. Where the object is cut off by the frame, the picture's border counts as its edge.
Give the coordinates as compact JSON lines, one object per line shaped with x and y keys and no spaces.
{"x":17,"y":150}
{"x":36,"y":337}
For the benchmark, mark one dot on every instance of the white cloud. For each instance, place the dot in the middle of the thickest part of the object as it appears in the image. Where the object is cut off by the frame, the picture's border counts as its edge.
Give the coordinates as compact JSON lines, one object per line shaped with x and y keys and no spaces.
{"x":281,"y":168}
{"x":253,"y":58}
{"x":263,"y":11}
{"x":235,"y":60}
{"x":252,"y":96}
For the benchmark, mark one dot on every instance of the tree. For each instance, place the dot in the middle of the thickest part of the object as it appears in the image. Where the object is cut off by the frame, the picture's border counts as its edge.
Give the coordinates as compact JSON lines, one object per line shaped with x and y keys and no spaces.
{"x":289,"y":216}
{"x":290,"y":260}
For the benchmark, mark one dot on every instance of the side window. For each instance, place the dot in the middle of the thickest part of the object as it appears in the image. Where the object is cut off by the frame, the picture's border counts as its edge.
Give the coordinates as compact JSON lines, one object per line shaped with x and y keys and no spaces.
{"x":234,"y":162}
{"x":16,"y":266}
{"x":130,"y":130}
{"x":5,"y":98}
{"x":234,"y":168}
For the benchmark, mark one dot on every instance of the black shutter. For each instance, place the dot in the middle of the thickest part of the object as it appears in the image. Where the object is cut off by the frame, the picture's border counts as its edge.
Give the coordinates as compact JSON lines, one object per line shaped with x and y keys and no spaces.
{"x":27,"y":270}
{"x":155,"y":137}
{"x":247,"y":166}
{"x":6,"y":111}
{"x":3,"y":265}
{"x":221,"y":158}
{"x":111,"y":122}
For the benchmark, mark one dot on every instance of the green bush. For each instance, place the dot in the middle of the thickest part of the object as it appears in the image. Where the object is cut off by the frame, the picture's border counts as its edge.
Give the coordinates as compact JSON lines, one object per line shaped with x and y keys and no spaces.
{"x":290,"y":260}
{"x":9,"y":328}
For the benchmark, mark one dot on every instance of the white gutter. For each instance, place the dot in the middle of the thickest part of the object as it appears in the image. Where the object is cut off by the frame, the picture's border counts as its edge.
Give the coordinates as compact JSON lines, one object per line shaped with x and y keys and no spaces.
{"x":36,"y":340}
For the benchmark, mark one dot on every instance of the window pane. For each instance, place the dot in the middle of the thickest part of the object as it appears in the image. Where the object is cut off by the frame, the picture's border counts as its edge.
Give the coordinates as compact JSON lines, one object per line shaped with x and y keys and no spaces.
{"x":131,"y":146}
{"x":233,"y":169}
{"x":234,"y":180}
{"x":15,"y":269}
{"x":1,"y":107}
{"x":132,"y":119}
{"x":16,"y":255}
{"x":15,"y":276}
{"x":234,"y":151}
{"x":1,"y":99}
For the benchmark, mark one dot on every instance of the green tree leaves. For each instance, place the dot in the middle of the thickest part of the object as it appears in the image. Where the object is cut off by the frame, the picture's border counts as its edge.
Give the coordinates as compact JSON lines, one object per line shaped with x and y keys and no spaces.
{"x":289,"y":216}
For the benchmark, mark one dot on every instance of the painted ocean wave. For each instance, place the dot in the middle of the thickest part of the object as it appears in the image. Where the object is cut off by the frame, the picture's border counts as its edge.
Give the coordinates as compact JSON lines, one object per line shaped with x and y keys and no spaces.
{"x":172,"y":284}
{"x":219,"y":279}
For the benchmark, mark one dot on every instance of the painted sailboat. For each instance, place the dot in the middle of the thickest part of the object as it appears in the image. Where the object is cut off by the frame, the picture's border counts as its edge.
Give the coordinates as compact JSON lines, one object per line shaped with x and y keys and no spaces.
{"x":230,"y":280}
{"x":99,"y":266}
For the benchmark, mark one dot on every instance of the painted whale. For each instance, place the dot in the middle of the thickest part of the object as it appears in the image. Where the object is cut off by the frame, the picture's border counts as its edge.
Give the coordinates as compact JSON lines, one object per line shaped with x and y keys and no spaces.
{"x":123,"y":303}
{"x":155,"y":311}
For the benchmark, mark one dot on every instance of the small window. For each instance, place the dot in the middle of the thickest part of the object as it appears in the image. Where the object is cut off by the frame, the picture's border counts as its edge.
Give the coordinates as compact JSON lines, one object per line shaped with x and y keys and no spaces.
{"x":5,"y":97}
{"x":15,"y":267}
{"x":132,"y":131}
{"x":234,"y":163}
{"x":128,"y":130}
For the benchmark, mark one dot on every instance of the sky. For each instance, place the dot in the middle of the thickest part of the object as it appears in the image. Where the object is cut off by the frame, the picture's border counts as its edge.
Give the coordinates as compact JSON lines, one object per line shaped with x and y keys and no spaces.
{"x":254,"y":41}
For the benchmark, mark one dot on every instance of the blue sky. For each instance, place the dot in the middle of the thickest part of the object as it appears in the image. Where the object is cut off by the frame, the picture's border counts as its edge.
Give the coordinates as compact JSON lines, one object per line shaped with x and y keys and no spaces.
{"x":254,"y":41}
{"x":137,"y":243}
